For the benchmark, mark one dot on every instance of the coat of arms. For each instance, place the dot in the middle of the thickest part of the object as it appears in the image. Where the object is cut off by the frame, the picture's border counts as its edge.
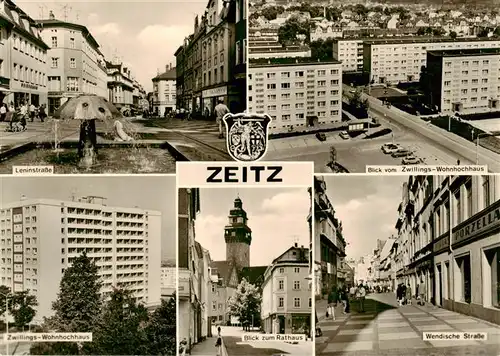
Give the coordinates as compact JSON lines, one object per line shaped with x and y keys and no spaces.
{"x":246,"y":136}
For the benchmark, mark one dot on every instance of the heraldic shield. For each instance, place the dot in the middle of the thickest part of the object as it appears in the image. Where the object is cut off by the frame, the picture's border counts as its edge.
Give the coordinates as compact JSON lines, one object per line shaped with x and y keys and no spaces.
{"x":246,"y":136}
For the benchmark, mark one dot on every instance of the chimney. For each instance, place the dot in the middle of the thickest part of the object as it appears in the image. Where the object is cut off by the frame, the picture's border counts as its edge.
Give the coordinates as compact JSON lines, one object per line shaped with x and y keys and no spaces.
{"x":51,"y":15}
{"x":23,"y":197}
{"x":167,"y":67}
{"x":296,"y":245}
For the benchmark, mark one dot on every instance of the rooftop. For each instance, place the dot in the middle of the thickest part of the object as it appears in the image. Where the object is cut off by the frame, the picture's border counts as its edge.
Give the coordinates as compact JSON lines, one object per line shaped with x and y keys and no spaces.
{"x":466,"y":52}
{"x":58,"y":23}
{"x":413,"y":39}
{"x":171,"y":74}
{"x":278,"y":62}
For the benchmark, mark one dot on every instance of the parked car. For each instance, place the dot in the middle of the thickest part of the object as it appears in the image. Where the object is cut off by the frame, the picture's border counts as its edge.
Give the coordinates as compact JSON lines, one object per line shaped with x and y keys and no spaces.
{"x":402,"y":152}
{"x":388,"y":148}
{"x":321,"y":136}
{"x":344,"y":135}
{"x":411,"y":160}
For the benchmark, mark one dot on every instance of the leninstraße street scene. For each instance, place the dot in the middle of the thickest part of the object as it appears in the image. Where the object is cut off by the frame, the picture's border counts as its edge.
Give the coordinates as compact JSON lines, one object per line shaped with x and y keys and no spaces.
{"x":245,"y":285}
{"x":90,"y":88}
{"x":400,"y":266}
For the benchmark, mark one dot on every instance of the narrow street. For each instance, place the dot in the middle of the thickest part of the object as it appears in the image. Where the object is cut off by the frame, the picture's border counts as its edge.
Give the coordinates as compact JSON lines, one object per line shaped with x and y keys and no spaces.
{"x":385,"y":329}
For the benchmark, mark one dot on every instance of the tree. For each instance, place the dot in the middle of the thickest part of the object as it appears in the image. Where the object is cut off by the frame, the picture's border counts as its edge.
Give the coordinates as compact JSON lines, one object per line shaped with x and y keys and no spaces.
{"x":437,"y":31}
{"x":161,"y":329}
{"x":272,"y":12}
{"x":291,"y":29}
{"x":22,"y":308}
{"x":483,"y":32}
{"x":245,"y":303}
{"x":421,"y":31}
{"x":357,"y":102}
{"x":453,"y":35}
{"x":77,"y":307}
{"x":322,"y":49}
{"x":121,"y":328}
{"x":4,"y":292}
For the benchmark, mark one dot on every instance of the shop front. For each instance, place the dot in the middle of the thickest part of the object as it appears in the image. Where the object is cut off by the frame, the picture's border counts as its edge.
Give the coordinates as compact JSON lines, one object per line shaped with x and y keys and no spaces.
{"x":227,"y":94}
{"x":22,"y":93}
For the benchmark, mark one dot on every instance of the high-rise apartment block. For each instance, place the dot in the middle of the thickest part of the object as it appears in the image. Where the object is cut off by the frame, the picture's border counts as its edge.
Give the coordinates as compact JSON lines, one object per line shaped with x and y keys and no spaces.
{"x":296,"y":92}
{"x":401,"y":60}
{"x":40,"y":238}
{"x":464,"y":80}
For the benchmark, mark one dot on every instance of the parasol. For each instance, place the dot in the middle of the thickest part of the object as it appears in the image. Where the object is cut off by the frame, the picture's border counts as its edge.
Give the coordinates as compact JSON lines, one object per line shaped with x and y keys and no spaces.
{"x":87,"y":107}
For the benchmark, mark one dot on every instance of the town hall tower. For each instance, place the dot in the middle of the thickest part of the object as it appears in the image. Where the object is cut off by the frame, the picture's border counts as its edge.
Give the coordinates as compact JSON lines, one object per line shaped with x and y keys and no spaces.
{"x":238,"y":236}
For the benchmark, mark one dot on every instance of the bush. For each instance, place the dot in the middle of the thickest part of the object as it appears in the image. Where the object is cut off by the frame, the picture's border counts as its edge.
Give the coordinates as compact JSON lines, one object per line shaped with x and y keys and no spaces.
{"x":408,"y":85}
{"x":303,"y":133}
{"x":360,"y":114}
{"x":380,"y":133}
{"x":481,"y":116}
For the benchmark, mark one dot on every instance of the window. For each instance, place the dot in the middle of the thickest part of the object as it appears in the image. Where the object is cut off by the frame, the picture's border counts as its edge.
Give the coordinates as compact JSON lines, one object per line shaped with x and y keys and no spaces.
{"x":310,"y":303}
{"x":296,"y":302}
{"x":285,"y":85}
{"x":296,"y":285}
{"x":486,"y":192}
{"x":72,"y":84}
{"x":271,"y":86}
{"x":468,"y":190}
{"x":493,"y":258}
{"x":281,"y":302}
{"x":458,"y":218}
{"x":71,"y":43}
{"x":282,"y":270}
{"x":54,"y":41}
{"x":72,"y":63}
{"x":55,"y":62}
{"x":214,"y":306}
{"x":281,"y":284}
{"x":464,"y":275}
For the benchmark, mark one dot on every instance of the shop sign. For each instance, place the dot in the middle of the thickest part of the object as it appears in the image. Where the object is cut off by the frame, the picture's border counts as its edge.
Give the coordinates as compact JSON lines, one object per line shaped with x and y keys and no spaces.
{"x":55,"y":93}
{"x":209,"y":93}
{"x":29,"y":86}
{"x":487,"y":220}
{"x":442,"y":244}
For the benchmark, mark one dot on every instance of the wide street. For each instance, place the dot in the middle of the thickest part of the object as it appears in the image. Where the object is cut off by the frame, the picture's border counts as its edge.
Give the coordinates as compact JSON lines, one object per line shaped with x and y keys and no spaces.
{"x":385,"y":329}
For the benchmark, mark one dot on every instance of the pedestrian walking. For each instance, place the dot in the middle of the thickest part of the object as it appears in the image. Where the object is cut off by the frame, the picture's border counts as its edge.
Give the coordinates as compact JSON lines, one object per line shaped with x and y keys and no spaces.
{"x":220,"y":111}
{"x":218,"y":344}
{"x":403,"y":294}
{"x":398,"y":294}
{"x":41,"y":113}
{"x":32,"y":112}
{"x":361,"y":296}
{"x":332,"y":299}
{"x":183,"y":347}
{"x":422,"y":292}
{"x":345,"y":300}
{"x":408,"y":295}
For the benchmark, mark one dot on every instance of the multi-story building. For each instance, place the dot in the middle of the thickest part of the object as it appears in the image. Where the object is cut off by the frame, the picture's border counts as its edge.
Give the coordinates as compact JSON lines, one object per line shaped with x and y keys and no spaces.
{"x":401,"y":60}
{"x":120,"y":85}
{"x":329,"y":243}
{"x":168,"y":280}
{"x":40,"y":238}
{"x":189,"y":298}
{"x":165,"y":91}
{"x":349,"y":51}
{"x":453,"y":245}
{"x":76,"y":65}
{"x":23,"y":58}
{"x":213,"y":60}
{"x":463,"y":80}
{"x":181,"y":62}
{"x":296,"y":92}
{"x":138,"y":94}
{"x":286,"y":297}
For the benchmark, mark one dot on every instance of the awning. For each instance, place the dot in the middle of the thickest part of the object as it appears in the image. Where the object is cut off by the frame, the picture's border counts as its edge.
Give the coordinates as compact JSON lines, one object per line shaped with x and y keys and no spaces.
{"x":5,"y":90}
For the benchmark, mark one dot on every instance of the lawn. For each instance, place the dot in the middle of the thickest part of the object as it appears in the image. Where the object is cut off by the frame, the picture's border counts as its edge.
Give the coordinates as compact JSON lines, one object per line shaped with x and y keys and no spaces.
{"x":234,"y":348}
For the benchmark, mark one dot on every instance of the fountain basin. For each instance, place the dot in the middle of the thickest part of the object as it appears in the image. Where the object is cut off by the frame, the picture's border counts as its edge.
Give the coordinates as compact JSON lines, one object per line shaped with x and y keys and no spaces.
{"x":119,"y":157}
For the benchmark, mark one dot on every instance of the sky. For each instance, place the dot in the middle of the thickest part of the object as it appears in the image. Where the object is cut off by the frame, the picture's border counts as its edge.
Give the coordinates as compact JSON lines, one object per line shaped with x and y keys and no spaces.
{"x":277,"y":217}
{"x":145,"y":34}
{"x":367,"y":207}
{"x":145,"y":192}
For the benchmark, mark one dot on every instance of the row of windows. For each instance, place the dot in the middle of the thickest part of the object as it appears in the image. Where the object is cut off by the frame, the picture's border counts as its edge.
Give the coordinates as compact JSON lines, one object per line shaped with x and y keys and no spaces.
{"x":28,"y":48}
{"x":301,"y":105}
{"x":72,"y":84}
{"x":28,"y":75}
{"x":55,"y":62}
{"x":300,"y":74}
{"x":281,"y":285}
{"x":296,"y":302}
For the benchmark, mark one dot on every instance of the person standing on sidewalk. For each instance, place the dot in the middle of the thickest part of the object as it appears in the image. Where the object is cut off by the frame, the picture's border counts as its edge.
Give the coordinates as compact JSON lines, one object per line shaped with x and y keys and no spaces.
{"x":362,"y":295}
{"x":220,"y":111}
{"x":408,"y":295}
{"x":422,"y":292}
{"x":218,"y":343}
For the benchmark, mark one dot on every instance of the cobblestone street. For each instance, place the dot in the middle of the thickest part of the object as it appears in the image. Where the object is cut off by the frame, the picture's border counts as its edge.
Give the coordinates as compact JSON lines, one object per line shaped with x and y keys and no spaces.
{"x":385,"y":329}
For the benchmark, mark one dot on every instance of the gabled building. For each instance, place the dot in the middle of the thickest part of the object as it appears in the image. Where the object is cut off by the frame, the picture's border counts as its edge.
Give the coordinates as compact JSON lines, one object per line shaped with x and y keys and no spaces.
{"x":120,"y":85}
{"x":165,"y":91}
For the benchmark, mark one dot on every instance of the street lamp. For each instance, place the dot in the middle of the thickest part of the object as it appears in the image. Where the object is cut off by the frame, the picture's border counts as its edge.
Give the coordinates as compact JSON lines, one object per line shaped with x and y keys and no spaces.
{"x":6,"y":320}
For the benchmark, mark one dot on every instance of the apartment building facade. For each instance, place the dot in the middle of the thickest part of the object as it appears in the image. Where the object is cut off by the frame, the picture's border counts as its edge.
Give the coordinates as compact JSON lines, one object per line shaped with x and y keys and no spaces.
{"x":123,"y":242}
{"x":120,"y":84}
{"x":165,"y":91}
{"x":286,"y":294}
{"x":23,"y":58}
{"x":296,"y":92}
{"x":168,"y":281}
{"x":329,"y":243}
{"x":401,"y":60}
{"x":464,"y":81}
{"x":76,"y":65}
{"x":349,"y":51}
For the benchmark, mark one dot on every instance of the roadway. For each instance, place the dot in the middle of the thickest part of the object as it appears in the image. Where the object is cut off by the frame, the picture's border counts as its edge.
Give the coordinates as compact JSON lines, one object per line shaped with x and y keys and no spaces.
{"x":434,"y":145}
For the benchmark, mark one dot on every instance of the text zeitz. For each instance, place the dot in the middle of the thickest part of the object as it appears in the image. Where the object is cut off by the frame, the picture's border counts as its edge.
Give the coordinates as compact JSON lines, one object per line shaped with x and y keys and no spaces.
{"x":245,"y":174}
